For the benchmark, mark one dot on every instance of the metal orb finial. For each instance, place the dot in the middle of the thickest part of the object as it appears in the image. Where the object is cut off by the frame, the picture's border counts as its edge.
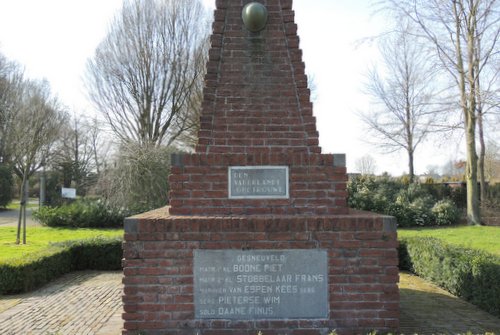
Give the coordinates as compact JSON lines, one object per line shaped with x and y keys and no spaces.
{"x":254,"y":16}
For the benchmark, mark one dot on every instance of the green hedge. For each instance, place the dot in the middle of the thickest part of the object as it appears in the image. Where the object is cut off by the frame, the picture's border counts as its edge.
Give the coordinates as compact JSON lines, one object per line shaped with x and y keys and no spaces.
{"x":410,"y":204}
{"x":472,"y":275}
{"x":81,"y":214}
{"x":25,"y":274}
{"x":95,"y":254}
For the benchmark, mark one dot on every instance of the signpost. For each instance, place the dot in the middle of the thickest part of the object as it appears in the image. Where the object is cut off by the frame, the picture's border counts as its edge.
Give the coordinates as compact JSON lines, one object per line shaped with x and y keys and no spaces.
{"x":69,"y":193}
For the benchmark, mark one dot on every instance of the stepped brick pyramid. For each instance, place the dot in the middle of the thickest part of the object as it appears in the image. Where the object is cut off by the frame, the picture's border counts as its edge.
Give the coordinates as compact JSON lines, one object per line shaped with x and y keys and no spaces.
{"x":258,"y":235}
{"x":257,"y":111}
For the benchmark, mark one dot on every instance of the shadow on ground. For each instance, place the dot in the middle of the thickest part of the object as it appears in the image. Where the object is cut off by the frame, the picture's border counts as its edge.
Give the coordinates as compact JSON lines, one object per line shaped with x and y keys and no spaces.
{"x":90,"y":301}
{"x":427,"y":309}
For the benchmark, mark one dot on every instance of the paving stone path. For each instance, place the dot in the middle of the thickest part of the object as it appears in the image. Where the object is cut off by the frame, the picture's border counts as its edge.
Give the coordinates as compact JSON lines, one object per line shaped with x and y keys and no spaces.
{"x":78,"y":303}
{"x":89,"y":302}
{"x":428,"y":309}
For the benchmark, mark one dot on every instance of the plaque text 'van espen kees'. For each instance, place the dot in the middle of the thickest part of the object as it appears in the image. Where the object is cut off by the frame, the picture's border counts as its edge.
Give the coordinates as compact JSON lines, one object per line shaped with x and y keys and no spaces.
{"x":254,"y":182}
{"x":260,"y":284}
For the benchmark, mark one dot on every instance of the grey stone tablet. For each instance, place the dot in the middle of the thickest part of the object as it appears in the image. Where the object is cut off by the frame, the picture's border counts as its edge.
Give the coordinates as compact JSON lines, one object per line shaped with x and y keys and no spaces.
{"x":258,"y":182}
{"x":260,"y":284}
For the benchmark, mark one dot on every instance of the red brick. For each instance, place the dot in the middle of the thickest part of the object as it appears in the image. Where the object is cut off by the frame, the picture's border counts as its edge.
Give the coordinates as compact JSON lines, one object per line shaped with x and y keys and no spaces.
{"x":130,"y":325}
{"x":132,"y":316}
{"x":248,"y":120}
{"x":306,"y":332}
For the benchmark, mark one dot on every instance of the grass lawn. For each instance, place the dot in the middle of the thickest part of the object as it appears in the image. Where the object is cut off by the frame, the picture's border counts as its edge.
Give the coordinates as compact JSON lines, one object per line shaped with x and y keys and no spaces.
{"x":472,"y":237}
{"x":39,"y":238}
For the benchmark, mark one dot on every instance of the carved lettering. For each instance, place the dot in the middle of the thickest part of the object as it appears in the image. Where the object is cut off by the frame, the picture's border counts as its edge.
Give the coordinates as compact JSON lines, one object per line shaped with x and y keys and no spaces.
{"x":260,"y":284}
{"x":258,"y":182}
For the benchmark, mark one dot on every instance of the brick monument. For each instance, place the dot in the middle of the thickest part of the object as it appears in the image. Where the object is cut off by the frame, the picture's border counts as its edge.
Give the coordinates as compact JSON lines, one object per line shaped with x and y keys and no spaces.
{"x":258,"y":236}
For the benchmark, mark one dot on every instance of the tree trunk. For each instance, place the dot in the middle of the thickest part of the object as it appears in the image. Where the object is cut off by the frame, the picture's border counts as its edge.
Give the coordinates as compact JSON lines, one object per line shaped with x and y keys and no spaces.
{"x":468,"y":104}
{"x":473,"y":213}
{"x":482,"y":155}
{"x":480,"y":118}
{"x":26,"y":197}
{"x":21,"y":205}
{"x":42,"y":189}
{"x":18,"y":235}
{"x":411,"y":167}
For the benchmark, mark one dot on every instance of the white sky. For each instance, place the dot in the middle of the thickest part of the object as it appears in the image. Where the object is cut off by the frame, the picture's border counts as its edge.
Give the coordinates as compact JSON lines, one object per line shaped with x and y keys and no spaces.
{"x":53,"y":39}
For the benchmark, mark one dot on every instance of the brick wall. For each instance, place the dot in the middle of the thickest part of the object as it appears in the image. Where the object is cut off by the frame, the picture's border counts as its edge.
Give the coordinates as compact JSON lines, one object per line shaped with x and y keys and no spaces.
{"x":257,"y":112}
{"x":257,"y":108}
{"x":199,"y":185}
{"x":256,"y":93}
{"x":158,"y":267}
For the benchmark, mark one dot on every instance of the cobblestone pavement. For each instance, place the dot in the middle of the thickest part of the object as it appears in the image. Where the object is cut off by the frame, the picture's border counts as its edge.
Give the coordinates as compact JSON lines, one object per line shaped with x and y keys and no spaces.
{"x":89,"y":302}
{"x":428,"y":309}
{"x":79,"y":303}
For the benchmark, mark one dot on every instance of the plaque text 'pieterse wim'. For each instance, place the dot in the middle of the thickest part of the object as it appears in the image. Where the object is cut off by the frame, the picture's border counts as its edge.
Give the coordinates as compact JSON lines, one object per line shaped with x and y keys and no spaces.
{"x":260,"y":284}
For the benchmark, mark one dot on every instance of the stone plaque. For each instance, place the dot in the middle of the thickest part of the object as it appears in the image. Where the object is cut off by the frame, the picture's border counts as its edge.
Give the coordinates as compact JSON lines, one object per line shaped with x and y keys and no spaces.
{"x":258,"y":182}
{"x":260,"y":284}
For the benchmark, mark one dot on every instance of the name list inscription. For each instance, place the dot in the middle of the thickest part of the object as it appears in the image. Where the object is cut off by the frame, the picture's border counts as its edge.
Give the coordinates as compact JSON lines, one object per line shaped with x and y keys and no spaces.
{"x":254,"y":182}
{"x":260,"y":284}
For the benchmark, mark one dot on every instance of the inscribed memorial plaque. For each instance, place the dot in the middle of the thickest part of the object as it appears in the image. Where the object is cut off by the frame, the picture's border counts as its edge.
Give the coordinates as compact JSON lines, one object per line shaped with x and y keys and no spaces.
{"x":260,"y":284}
{"x":258,"y":182}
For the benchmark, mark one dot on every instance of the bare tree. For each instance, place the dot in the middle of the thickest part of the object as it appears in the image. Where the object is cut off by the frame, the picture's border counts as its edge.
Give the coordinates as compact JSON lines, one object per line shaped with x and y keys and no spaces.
{"x":465,"y":35}
{"x":313,"y":87}
{"x":187,"y":124}
{"x":402,"y":92}
{"x":487,"y":104}
{"x":138,"y":179}
{"x":78,"y":153}
{"x":34,"y":129}
{"x":100,"y":146}
{"x":146,"y":74}
{"x":71,"y":156}
{"x":366,"y":165}
{"x":492,"y":161}
{"x":11,"y":78}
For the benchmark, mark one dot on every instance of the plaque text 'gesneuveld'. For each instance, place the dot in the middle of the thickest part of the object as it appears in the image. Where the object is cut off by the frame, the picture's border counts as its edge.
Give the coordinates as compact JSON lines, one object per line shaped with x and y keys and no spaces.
{"x":260,"y":284}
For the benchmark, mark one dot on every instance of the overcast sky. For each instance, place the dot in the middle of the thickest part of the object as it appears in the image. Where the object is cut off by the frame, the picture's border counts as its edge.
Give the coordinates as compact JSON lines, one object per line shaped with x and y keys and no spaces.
{"x":53,"y":39}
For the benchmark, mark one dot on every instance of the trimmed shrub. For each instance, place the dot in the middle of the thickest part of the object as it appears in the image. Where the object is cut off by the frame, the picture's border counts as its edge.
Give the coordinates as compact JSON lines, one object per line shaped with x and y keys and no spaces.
{"x":25,"y":274}
{"x":95,"y":254}
{"x":371,"y":193}
{"x":469,"y":274}
{"x":417,"y":204}
{"x":410,"y":204}
{"x":6,"y":185}
{"x":81,"y":214}
{"x":445,"y":212}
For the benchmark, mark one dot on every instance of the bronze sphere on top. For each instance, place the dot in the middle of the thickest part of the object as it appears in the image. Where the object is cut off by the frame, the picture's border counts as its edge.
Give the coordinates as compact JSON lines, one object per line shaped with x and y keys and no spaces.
{"x":254,"y":16}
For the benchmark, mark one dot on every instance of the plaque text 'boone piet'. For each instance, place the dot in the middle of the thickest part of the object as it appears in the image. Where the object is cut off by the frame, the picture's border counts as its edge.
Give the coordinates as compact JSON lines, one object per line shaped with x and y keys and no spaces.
{"x":260,"y":284}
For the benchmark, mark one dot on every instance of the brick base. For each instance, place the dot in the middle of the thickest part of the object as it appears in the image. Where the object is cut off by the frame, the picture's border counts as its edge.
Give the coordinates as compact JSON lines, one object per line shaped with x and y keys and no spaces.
{"x":158,"y":268}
